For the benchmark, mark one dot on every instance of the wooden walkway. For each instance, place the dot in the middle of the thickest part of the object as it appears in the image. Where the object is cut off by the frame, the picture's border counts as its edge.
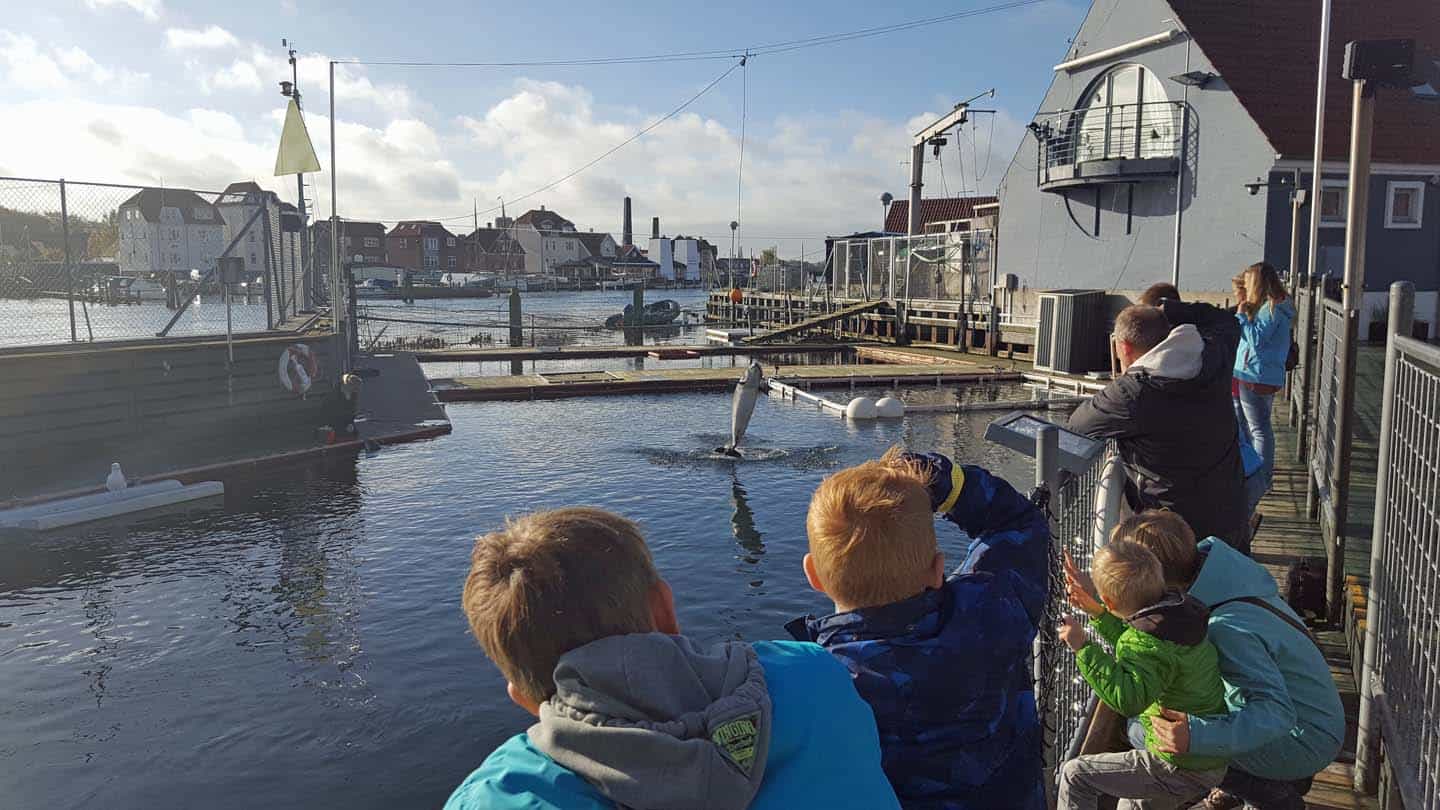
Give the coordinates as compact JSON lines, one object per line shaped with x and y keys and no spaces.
{"x":1288,"y":533}
{"x":815,"y":322}
{"x":498,"y":353}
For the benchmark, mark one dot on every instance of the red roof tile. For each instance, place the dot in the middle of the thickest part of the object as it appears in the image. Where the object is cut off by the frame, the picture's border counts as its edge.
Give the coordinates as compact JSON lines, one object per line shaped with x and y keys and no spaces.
{"x":935,"y":209}
{"x":1267,"y":52}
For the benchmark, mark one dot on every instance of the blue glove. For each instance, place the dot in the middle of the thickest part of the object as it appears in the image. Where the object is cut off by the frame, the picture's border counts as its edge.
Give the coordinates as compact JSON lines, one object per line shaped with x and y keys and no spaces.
{"x":946,"y":479}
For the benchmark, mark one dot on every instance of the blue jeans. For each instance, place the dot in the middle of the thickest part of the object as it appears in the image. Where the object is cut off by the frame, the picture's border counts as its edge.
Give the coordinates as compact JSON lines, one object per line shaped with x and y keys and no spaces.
{"x":1252,"y":412}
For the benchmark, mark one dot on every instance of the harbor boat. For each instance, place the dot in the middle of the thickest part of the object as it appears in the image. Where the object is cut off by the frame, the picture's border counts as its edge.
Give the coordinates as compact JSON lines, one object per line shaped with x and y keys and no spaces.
{"x":659,"y":313}
{"x":374,"y":288}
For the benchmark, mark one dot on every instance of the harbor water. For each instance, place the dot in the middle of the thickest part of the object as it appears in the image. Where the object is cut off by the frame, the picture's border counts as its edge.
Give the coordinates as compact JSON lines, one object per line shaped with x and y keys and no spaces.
{"x":303,"y":646}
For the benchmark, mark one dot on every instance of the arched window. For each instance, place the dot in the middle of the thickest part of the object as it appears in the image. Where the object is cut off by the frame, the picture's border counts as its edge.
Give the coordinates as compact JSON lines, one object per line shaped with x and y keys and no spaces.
{"x":1125,"y":114}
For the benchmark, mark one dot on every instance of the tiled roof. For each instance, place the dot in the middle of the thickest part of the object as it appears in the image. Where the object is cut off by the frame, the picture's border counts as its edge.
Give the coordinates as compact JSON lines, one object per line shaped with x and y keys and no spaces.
{"x":593,"y":241}
{"x":486,"y":238}
{"x":542,"y":220}
{"x":935,"y":209}
{"x":244,"y":192}
{"x":419,"y":228}
{"x":1266,"y":52}
{"x":150,"y":200}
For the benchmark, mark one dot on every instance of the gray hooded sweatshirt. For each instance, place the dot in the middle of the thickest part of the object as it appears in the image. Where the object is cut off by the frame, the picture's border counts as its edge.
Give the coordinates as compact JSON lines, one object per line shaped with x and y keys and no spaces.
{"x":654,"y":722}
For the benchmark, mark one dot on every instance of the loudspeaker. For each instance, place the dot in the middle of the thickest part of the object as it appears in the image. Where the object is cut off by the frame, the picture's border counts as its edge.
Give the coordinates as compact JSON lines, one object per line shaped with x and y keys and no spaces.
{"x":1389,"y":62}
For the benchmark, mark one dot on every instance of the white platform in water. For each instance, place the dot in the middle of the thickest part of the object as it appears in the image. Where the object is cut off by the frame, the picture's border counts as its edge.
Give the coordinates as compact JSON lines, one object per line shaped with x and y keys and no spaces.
{"x":729,"y":336}
{"x":101,"y":505}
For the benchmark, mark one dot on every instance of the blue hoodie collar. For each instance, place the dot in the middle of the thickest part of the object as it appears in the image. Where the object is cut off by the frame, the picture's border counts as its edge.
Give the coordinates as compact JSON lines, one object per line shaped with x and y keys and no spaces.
{"x":920,"y":615}
{"x":1228,"y":574}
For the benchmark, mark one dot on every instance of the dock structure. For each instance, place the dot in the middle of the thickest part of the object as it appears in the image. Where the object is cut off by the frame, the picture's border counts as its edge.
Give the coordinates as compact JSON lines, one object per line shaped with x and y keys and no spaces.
{"x":605,"y":383}
{"x":523,"y":353}
{"x":969,"y":326}
{"x":814,"y":322}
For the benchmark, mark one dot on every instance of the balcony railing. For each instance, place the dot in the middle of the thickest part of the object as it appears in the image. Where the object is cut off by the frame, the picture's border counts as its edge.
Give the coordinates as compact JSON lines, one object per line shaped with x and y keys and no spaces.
{"x":1116,"y":144}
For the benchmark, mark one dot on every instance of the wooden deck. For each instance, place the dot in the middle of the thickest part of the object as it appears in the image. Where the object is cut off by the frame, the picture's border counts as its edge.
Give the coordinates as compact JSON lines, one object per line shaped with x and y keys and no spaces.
{"x":814,"y":322}
{"x":1288,"y":533}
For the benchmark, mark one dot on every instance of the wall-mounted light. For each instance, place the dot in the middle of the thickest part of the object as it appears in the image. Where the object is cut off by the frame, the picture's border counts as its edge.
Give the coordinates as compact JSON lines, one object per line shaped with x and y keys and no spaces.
{"x":1195,"y":78}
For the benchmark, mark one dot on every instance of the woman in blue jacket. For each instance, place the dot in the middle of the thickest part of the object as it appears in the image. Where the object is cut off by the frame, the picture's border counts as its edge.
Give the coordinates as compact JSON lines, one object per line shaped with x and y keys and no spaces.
{"x":1265,"y":314}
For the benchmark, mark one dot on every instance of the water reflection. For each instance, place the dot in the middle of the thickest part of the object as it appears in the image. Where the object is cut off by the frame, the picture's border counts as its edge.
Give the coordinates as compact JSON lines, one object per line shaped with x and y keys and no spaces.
{"x":742,"y":522}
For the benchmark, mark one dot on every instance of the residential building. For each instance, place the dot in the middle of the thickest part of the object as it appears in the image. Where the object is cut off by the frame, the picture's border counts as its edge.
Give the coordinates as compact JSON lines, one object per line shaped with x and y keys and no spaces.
{"x":632,"y":265}
{"x":169,"y":230}
{"x":597,"y":263}
{"x":361,"y":243}
{"x":1174,"y":133}
{"x":549,"y":240}
{"x":422,"y":246}
{"x":494,"y":251}
{"x":237,"y":205}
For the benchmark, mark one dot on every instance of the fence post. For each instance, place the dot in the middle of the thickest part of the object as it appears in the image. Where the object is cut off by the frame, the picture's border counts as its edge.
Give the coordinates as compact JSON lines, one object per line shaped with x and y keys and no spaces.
{"x":1047,"y":476}
{"x":270,"y":281}
{"x":1307,"y":371}
{"x":1367,"y":747}
{"x":517,"y":330}
{"x":69,"y":268}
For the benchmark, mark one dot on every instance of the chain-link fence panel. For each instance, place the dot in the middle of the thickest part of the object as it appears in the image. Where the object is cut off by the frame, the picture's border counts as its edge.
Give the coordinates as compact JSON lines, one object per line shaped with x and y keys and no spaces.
{"x":91,"y":262}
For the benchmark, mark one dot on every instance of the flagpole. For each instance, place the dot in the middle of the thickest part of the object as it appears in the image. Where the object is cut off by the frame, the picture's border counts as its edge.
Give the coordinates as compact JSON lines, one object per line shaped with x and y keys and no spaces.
{"x":337,"y":291}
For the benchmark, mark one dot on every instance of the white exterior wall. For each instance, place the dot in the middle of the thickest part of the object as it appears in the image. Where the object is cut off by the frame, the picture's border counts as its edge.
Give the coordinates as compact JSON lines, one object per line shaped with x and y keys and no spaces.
{"x":687,"y":252}
{"x":252,"y":246}
{"x":545,"y":250}
{"x":661,"y":252}
{"x":170,"y":245}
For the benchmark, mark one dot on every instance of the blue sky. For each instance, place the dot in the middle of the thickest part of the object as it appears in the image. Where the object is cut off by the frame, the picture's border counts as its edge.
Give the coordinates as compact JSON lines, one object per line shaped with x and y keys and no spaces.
{"x":161,"y":90}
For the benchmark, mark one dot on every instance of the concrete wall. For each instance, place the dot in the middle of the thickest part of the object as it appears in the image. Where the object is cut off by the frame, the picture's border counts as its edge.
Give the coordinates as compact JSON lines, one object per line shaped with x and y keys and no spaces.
{"x":66,"y":415}
{"x":1048,"y":239}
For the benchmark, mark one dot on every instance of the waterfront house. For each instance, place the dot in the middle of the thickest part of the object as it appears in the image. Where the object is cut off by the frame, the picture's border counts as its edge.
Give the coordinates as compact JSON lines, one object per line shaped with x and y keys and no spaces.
{"x":598,"y":262}
{"x":169,"y":230}
{"x":549,"y":240}
{"x":1190,"y":123}
{"x":237,"y":204}
{"x":421,"y":246}
{"x":494,"y":251}
{"x":361,"y":243}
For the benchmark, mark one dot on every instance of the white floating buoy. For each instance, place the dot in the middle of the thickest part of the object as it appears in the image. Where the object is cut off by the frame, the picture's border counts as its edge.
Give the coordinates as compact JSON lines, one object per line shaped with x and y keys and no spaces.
{"x":889,"y":408}
{"x":115,"y":481}
{"x":860,"y":408}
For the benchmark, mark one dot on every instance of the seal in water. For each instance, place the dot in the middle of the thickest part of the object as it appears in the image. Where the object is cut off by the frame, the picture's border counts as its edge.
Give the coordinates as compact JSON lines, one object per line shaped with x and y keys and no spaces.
{"x":746,"y":392}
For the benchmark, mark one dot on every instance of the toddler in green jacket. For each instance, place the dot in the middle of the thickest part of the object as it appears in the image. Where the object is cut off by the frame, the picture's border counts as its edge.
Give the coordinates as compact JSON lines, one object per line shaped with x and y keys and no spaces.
{"x":1161,"y":658}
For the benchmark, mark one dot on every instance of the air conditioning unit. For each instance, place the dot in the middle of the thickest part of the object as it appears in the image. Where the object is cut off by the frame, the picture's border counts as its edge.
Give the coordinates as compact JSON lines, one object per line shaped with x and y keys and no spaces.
{"x":1070,"y":337}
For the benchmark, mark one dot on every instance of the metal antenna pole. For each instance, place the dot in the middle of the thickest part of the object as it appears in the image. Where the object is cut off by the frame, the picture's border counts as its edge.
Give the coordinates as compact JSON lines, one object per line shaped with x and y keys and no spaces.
{"x":1319,"y":157}
{"x":337,"y":294}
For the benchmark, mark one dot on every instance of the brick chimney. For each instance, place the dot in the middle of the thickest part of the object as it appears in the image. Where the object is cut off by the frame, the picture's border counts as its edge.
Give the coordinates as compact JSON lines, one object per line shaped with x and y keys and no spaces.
{"x":627,"y":233}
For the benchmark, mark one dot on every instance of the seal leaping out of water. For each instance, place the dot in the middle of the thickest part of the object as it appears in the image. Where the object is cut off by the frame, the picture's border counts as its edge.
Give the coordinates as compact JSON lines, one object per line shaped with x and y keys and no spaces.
{"x":747,"y":390}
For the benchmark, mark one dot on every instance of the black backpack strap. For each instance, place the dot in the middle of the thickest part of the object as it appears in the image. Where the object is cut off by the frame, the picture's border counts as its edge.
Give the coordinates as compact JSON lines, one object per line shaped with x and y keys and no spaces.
{"x":1258,"y":602}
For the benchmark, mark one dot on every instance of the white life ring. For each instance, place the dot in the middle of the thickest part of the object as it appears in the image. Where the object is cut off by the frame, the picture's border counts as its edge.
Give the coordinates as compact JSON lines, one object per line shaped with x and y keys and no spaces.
{"x":299,"y":367}
{"x":1109,"y":505}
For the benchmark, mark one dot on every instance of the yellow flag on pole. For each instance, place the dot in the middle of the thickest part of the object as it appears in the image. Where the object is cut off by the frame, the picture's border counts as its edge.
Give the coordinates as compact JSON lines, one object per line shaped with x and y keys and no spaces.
{"x":296,"y":155}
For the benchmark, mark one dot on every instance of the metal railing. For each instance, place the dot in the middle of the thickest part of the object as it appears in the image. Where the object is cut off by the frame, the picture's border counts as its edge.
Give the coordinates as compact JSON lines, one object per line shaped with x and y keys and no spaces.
{"x":1082,"y":509}
{"x":1119,"y":131}
{"x":1324,"y":438}
{"x":1400,"y":677}
{"x":955,"y":266}
{"x":90,"y":262}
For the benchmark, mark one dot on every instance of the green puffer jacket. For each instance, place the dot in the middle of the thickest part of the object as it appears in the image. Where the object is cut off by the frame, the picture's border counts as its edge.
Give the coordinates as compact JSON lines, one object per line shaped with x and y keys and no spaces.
{"x":1162,"y":658}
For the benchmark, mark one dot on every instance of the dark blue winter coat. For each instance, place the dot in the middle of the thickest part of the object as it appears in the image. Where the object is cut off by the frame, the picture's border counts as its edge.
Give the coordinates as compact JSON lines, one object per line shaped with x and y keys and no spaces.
{"x":948,"y":673}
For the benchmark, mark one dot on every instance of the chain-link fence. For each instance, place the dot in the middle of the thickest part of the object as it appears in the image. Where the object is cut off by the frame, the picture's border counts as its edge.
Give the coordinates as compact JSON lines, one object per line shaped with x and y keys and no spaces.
{"x":1400,"y":689}
{"x":1082,"y":513}
{"x":940,"y":266}
{"x":1324,"y":438}
{"x":89,"y":262}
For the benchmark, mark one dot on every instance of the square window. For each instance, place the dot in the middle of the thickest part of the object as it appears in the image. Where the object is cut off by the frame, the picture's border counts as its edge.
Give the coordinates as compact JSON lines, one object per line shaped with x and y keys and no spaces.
{"x":1333,"y":203}
{"x":402,"y":243}
{"x":1404,"y":204}
{"x":450,"y":262}
{"x":450,"y":242}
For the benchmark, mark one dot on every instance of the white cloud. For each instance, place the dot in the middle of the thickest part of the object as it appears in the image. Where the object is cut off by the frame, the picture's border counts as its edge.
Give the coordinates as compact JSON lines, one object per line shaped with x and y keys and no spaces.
{"x":149,"y":9}
{"x":77,"y":61}
{"x":239,"y":75}
{"x":27,"y":67}
{"x":211,"y":37}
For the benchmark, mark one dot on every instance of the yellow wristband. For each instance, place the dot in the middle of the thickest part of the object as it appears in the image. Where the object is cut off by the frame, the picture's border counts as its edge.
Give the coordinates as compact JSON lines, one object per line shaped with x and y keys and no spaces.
{"x":957,"y":483}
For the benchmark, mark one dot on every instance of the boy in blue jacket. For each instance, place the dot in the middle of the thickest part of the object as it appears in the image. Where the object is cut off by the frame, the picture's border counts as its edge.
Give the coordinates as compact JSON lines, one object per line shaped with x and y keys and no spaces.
{"x":631,"y":714}
{"x":945,"y":663}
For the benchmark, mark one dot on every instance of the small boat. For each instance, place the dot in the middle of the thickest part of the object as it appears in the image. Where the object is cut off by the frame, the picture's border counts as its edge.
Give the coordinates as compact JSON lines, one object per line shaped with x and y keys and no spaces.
{"x":374,"y":288}
{"x":659,"y":313}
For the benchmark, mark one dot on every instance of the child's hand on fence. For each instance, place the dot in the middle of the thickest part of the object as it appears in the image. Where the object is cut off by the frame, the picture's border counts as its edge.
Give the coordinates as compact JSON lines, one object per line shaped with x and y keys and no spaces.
{"x":1072,"y":633}
{"x":1081,"y":589}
